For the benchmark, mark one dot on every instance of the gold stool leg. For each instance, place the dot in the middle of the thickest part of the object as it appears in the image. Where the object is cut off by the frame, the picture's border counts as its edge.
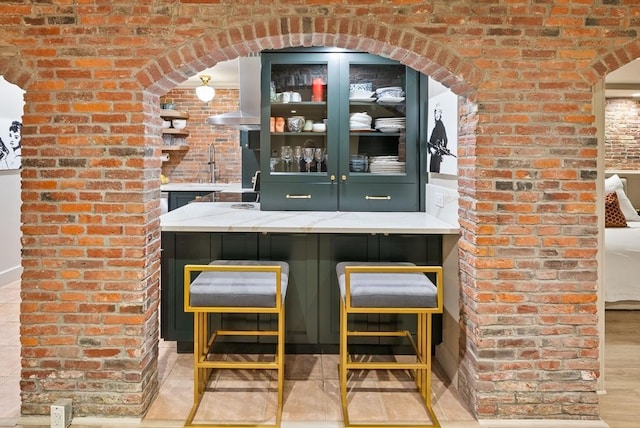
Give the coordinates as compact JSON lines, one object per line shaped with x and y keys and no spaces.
{"x":342,"y":367}
{"x":280,"y":360}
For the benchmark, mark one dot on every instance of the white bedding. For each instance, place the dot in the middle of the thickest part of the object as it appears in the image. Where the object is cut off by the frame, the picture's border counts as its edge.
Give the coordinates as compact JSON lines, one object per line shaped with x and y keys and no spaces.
{"x":622,"y":263}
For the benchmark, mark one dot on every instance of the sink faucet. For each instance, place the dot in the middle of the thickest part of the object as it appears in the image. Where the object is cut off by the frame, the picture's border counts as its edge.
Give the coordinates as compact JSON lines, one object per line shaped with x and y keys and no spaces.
{"x":212,"y":162}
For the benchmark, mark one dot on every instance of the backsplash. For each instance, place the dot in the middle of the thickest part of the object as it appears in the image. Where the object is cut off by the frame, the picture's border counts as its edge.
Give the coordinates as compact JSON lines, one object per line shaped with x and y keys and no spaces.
{"x":191,"y":166}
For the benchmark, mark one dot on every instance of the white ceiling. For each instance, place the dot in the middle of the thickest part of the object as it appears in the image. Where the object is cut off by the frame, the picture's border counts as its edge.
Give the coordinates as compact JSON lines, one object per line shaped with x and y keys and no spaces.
{"x":623,"y":82}
{"x":223,"y":75}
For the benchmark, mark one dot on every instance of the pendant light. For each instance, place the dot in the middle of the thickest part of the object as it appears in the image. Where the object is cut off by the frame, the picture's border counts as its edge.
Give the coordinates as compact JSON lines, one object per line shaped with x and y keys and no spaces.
{"x":205,"y":92}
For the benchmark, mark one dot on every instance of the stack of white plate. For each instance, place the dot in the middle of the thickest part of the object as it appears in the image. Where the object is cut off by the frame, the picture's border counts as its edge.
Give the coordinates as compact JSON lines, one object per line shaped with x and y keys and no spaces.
{"x":390,"y":124}
{"x":386,"y":165}
{"x":362,"y":96}
{"x":360,"y":122}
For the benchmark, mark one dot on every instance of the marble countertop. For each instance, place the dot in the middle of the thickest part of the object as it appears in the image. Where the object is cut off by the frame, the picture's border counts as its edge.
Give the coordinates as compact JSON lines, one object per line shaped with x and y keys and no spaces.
{"x":247,"y":217}
{"x":204,"y":187}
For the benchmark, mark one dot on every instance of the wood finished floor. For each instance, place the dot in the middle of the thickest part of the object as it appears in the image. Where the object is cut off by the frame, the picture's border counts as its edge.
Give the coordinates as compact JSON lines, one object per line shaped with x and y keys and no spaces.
{"x":311,"y":391}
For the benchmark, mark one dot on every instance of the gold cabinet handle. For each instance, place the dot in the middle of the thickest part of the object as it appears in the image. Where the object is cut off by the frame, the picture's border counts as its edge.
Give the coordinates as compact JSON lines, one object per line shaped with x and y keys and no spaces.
{"x":298,"y":196}
{"x":344,"y":177}
{"x":332,"y":177}
{"x":378,"y":198}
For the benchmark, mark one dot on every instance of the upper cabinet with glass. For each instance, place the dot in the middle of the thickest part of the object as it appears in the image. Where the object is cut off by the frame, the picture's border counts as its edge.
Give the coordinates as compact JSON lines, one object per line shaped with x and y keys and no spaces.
{"x":338,"y":132}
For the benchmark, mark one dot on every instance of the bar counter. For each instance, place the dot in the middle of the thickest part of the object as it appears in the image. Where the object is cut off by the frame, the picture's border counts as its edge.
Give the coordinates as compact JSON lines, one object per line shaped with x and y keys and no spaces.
{"x":247,"y":217}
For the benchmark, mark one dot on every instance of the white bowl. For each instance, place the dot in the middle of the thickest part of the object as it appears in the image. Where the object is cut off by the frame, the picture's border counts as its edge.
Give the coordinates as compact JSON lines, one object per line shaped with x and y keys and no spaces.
{"x":166,"y":124}
{"x":179,"y":123}
{"x":319,"y":127}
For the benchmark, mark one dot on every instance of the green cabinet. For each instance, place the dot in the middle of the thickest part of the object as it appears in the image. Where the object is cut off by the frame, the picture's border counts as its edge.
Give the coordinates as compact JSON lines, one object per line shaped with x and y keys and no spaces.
{"x":339,"y":131}
{"x":312,"y":302}
{"x":178,"y":199}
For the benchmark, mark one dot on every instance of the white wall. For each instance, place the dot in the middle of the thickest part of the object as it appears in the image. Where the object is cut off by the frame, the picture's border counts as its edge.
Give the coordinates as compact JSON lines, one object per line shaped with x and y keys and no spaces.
{"x":11,"y":108}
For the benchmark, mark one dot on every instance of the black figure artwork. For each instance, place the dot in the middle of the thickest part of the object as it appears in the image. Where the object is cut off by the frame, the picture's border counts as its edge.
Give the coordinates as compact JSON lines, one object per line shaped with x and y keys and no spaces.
{"x":11,"y":153}
{"x":438,"y":141}
{"x":4,"y":155}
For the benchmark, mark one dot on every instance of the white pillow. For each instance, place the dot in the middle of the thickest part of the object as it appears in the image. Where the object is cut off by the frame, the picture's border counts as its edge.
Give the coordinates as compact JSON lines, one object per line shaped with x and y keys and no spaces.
{"x":614,"y":183}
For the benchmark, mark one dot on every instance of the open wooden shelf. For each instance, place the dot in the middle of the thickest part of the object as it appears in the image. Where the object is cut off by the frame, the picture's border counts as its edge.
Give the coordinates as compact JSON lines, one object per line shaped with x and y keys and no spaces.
{"x":176,"y":132}
{"x":175,"y":148}
{"x":173,"y":114}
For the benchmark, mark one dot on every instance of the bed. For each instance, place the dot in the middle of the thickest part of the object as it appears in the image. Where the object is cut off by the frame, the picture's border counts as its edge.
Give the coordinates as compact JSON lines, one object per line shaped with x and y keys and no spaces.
{"x":622,"y":244}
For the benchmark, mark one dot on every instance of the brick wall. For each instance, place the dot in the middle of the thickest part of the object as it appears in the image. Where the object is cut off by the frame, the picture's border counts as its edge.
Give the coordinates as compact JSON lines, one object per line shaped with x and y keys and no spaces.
{"x":622,"y":133}
{"x":94,"y":73}
{"x":192,"y":166}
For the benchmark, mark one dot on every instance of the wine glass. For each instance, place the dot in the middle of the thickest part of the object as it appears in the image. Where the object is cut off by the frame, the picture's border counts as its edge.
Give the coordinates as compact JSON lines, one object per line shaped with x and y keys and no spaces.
{"x":287,"y":156}
{"x":318,"y":155}
{"x":307,"y":155}
{"x":297,"y":155}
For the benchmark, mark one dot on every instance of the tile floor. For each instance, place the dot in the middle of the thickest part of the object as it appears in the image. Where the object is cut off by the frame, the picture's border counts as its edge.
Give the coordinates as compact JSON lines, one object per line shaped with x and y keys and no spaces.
{"x":311,"y":391}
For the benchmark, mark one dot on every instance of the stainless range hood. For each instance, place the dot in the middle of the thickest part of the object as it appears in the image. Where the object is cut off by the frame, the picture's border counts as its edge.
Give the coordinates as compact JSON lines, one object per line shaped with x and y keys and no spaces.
{"x":248,"y":118}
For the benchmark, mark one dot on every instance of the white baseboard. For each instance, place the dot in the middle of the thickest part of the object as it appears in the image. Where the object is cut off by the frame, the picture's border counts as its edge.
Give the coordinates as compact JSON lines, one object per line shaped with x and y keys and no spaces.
{"x":540,"y":423}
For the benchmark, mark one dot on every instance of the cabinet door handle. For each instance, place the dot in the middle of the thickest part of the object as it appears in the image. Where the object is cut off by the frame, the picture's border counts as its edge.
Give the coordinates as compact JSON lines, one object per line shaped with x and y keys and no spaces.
{"x":298,"y":196}
{"x":344,"y":177}
{"x":332,"y":178}
{"x":378,"y":198}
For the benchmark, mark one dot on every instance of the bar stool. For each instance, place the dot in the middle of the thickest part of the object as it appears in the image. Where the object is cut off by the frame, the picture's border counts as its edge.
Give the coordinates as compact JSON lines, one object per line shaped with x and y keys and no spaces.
{"x":389,"y":288}
{"x":234,"y":286}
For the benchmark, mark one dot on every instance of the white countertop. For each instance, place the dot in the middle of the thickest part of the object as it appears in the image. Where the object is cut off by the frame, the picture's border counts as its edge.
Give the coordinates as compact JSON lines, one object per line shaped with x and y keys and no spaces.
{"x":222,"y":217}
{"x":204,"y":187}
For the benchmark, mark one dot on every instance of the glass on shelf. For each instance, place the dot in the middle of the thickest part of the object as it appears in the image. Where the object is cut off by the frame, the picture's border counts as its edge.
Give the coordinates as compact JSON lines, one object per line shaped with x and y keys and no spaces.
{"x":308,"y":154}
{"x":297,"y":155}
{"x":318,"y":155}
{"x":287,"y":157}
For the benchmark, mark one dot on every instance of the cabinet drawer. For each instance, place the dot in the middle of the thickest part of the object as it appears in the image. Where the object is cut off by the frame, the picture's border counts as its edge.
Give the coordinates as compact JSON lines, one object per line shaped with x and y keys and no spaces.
{"x":299,"y":197}
{"x":378,"y":197}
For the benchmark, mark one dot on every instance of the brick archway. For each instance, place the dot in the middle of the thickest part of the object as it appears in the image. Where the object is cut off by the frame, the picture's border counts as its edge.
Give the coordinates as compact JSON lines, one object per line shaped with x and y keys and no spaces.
{"x":611,"y":61}
{"x":414,"y":50}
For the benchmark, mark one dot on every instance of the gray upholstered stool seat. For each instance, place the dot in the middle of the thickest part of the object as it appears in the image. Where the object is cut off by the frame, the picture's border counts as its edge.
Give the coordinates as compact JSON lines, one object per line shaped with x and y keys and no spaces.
{"x":388,"y":290}
{"x":239,"y":288}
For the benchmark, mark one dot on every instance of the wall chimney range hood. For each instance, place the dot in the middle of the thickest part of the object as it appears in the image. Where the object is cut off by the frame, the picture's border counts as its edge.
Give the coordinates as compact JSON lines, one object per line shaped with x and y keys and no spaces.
{"x":248,"y":117}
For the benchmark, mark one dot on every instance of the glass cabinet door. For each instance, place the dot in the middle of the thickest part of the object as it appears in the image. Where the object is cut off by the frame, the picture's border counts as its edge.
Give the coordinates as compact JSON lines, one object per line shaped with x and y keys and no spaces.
{"x":299,"y":132}
{"x":378,"y":150}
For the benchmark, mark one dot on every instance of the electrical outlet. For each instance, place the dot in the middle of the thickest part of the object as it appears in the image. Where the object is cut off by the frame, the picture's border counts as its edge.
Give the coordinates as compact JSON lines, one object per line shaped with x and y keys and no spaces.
{"x":61,"y":413}
{"x":438,"y":199}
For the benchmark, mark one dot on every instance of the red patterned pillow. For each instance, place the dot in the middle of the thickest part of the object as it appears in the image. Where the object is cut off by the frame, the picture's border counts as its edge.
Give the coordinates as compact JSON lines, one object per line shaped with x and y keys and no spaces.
{"x":613,"y":216}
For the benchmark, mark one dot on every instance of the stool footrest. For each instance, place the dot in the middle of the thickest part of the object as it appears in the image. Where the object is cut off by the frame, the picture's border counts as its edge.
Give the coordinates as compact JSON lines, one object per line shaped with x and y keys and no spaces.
{"x":246,"y":333}
{"x":385,"y":366}
{"x":237,"y":365}
{"x":380,"y":333}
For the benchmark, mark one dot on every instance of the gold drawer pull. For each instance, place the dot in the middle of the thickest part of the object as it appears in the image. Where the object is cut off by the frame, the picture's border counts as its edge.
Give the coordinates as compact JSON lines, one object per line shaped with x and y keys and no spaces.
{"x":298,"y":196}
{"x":378,"y":198}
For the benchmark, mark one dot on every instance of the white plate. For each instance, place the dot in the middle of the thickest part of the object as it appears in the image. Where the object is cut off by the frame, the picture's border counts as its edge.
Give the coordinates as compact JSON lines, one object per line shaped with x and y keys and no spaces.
{"x":362,"y":100}
{"x":388,"y":88}
{"x":388,"y":130}
{"x":390,"y":100}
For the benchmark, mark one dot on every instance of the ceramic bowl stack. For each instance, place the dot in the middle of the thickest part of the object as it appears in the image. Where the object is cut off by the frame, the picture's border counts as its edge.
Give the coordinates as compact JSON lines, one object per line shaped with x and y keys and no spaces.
{"x":390,"y":124}
{"x":358,"y":163}
{"x":360,"y":122}
{"x":390,"y":95}
{"x":386,"y":165}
